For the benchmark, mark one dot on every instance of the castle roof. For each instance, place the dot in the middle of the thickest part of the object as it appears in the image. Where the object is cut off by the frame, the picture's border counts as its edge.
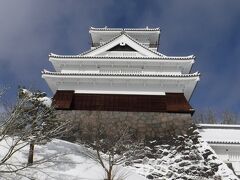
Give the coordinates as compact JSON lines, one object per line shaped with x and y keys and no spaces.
{"x":148,"y":36}
{"x":52,"y":55}
{"x":124,"y":29}
{"x":220,"y":133}
{"x":86,"y":55}
{"x":121,"y":74}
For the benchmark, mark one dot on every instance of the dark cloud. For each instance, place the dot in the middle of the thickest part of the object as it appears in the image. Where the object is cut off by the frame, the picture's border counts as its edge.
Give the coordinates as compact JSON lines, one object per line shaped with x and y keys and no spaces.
{"x":30,"y":30}
{"x":210,"y":30}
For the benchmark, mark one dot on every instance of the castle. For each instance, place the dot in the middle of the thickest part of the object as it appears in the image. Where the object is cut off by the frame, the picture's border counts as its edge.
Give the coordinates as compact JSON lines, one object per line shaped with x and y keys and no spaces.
{"x":124,"y":74}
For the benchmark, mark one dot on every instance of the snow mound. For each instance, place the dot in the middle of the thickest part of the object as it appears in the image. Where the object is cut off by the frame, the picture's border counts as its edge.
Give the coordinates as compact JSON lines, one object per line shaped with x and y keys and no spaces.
{"x":60,"y":160}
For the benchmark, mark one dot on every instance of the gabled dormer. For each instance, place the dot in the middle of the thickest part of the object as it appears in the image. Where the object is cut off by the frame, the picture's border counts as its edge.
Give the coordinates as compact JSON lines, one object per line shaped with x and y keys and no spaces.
{"x":122,"y":45}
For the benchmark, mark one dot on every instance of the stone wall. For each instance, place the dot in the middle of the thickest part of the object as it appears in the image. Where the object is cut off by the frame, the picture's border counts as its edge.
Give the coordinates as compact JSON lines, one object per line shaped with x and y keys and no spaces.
{"x":147,"y":124}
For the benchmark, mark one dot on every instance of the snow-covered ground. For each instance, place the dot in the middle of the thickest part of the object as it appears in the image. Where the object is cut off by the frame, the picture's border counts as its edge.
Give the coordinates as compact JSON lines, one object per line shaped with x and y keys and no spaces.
{"x":67,"y":163}
{"x":174,"y":165}
{"x":183,"y":157}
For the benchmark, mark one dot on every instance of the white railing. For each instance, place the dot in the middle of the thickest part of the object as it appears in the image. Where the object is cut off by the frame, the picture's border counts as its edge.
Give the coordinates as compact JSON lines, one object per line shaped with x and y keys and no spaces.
{"x":229,"y":156}
{"x":234,"y":157}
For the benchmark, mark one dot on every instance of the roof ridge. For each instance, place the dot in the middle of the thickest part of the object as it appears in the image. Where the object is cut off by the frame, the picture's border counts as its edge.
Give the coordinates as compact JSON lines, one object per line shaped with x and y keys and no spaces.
{"x":131,"y":38}
{"x":127,"y":29}
{"x":156,"y":52}
{"x":90,"y":50}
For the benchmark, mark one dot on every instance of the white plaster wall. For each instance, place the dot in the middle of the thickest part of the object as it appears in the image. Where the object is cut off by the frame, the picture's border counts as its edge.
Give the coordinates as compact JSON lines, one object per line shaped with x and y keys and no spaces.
{"x":229,"y":154}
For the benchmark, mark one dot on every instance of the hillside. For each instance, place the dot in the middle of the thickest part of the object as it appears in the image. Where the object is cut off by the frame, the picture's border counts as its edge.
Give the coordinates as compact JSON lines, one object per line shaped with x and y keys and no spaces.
{"x":62,"y":161}
{"x":182,"y":157}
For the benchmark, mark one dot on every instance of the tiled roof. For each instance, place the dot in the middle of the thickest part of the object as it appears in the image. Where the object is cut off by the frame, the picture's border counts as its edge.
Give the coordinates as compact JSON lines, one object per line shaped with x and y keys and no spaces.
{"x":121,"y":57}
{"x":219,"y":126}
{"x":220,"y":133}
{"x":124,"y":29}
{"x":223,"y":142}
{"x":120,"y":74}
{"x":143,"y":45}
{"x":111,"y":40}
{"x":161,"y":56}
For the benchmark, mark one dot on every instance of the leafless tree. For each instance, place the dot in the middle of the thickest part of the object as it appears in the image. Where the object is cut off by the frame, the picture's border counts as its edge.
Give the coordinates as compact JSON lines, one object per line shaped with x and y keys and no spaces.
{"x":211,"y":117}
{"x":39,"y":119}
{"x":199,"y":117}
{"x":2,"y":91}
{"x":207,"y":116}
{"x":229,"y":117}
{"x":108,"y":143}
{"x":21,"y":126}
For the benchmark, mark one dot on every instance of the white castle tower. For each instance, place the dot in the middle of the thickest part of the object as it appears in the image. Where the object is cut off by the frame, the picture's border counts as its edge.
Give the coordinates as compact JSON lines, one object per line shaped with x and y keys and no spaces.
{"x":123,"y":71}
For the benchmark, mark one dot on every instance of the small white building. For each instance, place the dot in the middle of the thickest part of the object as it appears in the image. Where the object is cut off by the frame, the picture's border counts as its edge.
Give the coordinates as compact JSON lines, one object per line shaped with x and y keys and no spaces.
{"x":225,"y":141}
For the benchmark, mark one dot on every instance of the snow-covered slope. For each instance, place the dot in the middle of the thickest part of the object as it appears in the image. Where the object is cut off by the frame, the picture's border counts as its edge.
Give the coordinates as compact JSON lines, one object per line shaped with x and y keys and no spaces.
{"x":182,"y":157}
{"x":67,"y":163}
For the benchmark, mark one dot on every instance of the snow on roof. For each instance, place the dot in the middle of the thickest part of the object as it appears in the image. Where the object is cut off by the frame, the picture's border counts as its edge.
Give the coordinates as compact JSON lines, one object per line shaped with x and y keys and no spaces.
{"x":223,"y":126}
{"x":220,"y":133}
{"x":121,"y":74}
{"x":125,"y":29}
{"x":160,"y":55}
{"x":123,"y":57}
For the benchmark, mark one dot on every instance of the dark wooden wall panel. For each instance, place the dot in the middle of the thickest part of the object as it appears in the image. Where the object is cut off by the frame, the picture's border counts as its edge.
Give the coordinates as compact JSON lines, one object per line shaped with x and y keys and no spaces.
{"x":171,"y":102}
{"x":177,"y":102}
{"x":119,"y":102}
{"x":63,"y":99}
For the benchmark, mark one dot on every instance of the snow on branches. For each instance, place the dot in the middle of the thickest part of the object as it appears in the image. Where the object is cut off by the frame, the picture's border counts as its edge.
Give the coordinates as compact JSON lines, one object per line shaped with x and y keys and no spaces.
{"x":32,"y":120}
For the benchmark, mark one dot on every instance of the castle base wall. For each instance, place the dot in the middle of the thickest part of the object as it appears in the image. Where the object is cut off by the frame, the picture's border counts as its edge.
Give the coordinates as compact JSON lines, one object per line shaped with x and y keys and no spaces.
{"x":147,"y":124}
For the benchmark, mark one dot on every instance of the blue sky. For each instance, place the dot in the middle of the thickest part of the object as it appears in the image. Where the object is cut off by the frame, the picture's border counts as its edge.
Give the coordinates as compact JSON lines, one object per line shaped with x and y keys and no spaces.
{"x":209,"y":29}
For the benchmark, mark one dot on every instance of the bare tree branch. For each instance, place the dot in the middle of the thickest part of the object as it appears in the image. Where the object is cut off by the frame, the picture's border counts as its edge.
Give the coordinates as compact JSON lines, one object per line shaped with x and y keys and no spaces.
{"x":28,"y":121}
{"x":106,"y":145}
